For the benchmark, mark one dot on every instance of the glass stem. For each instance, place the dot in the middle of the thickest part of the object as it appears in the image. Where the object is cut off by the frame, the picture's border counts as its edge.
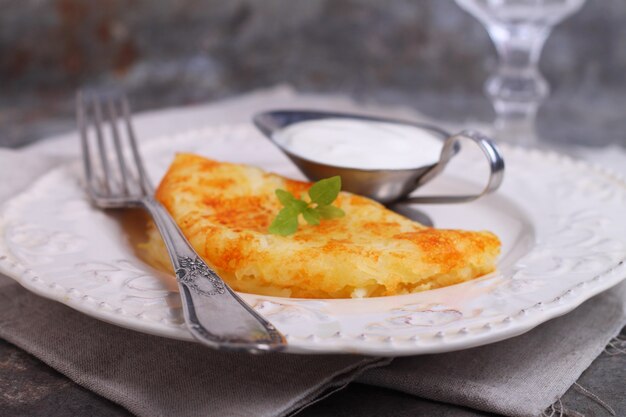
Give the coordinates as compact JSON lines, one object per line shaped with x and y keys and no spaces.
{"x":517,"y":88}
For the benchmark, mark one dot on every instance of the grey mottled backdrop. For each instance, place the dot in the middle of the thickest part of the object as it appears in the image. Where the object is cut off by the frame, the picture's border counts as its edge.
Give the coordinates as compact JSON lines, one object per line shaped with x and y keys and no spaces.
{"x":426,"y":53}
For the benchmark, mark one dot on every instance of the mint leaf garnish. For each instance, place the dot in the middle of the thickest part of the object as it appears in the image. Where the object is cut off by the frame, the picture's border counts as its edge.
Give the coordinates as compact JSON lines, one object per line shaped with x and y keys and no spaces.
{"x":311,"y":216}
{"x":288,"y":200}
{"x":330,"y":212}
{"x":325,"y":191}
{"x":285,"y":223}
{"x":322,"y":194}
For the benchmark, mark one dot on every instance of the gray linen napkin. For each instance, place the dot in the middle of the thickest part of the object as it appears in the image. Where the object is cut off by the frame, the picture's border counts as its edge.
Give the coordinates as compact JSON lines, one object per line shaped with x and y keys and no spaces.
{"x":154,"y":376}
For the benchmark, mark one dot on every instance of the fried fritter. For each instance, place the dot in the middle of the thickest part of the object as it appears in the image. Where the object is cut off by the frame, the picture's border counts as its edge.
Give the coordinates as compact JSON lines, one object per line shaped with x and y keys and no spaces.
{"x":225,"y":210}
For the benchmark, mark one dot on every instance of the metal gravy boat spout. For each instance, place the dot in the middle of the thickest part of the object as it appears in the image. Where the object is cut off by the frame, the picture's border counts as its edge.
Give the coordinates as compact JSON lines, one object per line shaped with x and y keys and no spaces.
{"x":385,"y":185}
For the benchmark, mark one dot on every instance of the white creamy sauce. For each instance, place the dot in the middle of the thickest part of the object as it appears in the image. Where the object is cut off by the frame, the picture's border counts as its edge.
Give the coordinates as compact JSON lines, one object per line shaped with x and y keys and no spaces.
{"x":362,"y":144}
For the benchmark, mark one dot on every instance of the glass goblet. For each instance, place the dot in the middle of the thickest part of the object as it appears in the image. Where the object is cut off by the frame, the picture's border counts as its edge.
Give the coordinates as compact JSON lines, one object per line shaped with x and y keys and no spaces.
{"x":518,"y":29}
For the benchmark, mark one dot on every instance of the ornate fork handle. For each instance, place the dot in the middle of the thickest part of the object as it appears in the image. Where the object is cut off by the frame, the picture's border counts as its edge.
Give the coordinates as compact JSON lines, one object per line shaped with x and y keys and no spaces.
{"x":206,"y":297}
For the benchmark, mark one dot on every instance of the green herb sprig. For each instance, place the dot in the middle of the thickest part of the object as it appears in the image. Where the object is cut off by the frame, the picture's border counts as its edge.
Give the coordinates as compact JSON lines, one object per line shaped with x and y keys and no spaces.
{"x":321,"y":195}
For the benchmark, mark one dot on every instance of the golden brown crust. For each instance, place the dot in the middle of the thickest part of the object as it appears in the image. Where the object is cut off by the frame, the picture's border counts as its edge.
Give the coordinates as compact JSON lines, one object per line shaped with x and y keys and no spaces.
{"x":225,"y":210}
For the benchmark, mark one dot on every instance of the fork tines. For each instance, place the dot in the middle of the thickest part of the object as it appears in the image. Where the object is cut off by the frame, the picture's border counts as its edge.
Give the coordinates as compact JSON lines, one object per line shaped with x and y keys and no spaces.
{"x":114,"y":173}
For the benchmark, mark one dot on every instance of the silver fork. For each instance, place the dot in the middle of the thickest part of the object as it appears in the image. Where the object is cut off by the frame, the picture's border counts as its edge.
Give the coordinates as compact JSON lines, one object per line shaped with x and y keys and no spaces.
{"x":116,"y":178}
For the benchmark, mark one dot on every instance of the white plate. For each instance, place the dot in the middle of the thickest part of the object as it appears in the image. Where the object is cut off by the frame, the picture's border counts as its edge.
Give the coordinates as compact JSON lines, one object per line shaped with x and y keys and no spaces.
{"x":561,"y":223}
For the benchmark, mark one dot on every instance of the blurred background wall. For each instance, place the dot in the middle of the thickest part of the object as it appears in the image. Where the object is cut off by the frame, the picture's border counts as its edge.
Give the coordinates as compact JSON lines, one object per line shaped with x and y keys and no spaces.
{"x":428,"y":54}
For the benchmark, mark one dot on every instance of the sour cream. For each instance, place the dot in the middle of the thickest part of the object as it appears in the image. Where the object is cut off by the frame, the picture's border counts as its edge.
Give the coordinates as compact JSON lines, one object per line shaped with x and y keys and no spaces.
{"x":353,"y":143}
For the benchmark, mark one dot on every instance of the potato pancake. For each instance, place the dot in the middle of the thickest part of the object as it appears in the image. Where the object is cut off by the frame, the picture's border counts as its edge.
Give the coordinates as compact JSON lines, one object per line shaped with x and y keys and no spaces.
{"x":225,"y":211}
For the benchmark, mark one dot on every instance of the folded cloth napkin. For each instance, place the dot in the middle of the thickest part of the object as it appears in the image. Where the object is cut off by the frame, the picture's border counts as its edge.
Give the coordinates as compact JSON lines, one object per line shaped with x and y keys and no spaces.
{"x":153,"y":376}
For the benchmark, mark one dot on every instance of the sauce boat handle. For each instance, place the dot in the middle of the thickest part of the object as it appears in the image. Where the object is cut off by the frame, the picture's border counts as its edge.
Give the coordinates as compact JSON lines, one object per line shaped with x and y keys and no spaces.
{"x":492,"y":154}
